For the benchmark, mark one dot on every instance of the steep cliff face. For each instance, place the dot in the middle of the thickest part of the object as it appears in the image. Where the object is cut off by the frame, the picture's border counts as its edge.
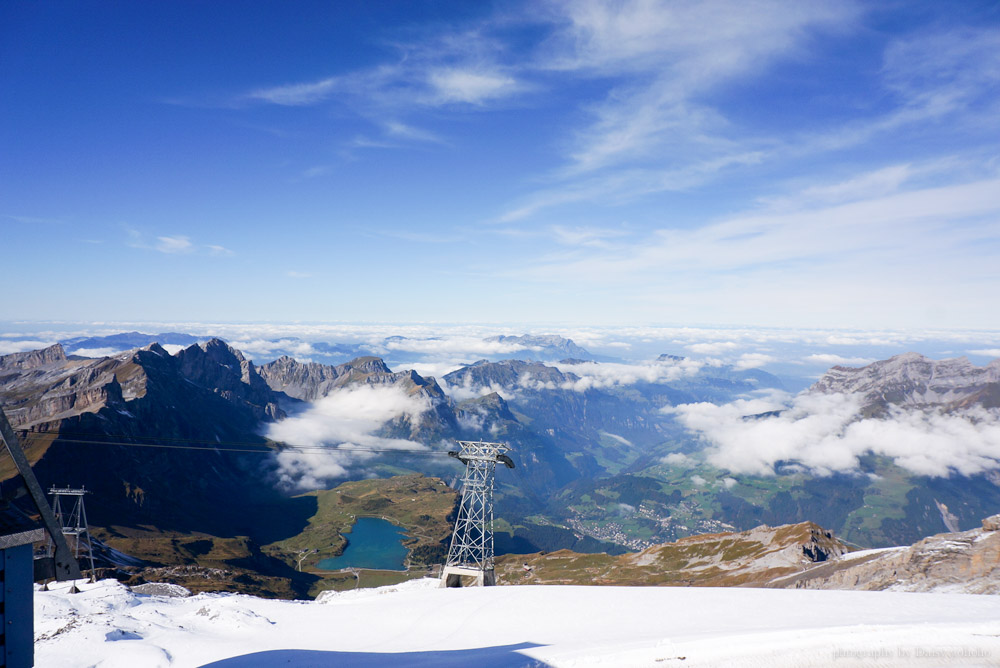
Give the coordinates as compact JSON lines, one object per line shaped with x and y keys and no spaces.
{"x":307,"y":381}
{"x":32,"y":359}
{"x":216,"y":366}
{"x":912,"y":380}
{"x":44,"y":386}
{"x":310,"y":381}
{"x":966,"y":562}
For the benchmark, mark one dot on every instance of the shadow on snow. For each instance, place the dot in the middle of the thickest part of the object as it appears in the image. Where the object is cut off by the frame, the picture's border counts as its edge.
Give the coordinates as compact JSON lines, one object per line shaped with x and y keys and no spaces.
{"x":501,"y":656}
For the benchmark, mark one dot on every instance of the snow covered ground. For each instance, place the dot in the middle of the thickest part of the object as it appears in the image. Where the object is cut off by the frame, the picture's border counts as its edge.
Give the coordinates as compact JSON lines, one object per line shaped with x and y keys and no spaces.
{"x":416,"y":624}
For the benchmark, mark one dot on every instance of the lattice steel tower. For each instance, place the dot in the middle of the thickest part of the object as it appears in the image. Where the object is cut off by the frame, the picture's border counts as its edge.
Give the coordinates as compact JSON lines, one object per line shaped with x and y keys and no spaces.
{"x":471,"y":551}
{"x":74,"y":522}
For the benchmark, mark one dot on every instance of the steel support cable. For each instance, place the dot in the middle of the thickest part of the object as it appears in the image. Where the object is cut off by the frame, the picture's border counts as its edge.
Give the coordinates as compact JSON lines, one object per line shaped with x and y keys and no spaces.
{"x":209,"y":446}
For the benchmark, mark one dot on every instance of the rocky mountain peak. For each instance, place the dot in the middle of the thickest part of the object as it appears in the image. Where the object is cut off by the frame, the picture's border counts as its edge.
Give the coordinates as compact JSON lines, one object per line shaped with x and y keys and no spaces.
{"x":156,"y":349}
{"x":369,"y":365}
{"x":911,"y":379}
{"x":220,"y":367}
{"x":507,"y":374}
{"x":310,"y":381}
{"x":54,"y":354}
{"x":489,"y":405}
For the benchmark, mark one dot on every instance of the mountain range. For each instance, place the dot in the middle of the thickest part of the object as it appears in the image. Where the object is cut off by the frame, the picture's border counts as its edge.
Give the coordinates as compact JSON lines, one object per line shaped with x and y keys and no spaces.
{"x":600,"y":466}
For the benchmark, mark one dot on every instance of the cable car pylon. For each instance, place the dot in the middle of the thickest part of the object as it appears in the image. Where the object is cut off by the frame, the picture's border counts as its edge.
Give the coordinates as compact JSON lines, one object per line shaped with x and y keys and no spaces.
{"x":471,"y":551}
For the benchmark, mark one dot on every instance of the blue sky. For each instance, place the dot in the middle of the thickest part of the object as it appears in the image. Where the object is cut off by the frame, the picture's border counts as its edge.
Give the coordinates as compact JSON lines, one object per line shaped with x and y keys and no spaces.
{"x":779,"y":164}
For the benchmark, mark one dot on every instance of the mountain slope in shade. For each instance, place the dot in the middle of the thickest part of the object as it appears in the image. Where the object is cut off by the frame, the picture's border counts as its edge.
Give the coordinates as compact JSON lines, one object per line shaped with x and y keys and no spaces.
{"x":173,"y":498}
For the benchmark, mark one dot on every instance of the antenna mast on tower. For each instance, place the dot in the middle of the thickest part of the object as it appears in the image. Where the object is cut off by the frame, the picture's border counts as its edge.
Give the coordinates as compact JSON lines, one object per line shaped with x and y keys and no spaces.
{"x":471,"y":551}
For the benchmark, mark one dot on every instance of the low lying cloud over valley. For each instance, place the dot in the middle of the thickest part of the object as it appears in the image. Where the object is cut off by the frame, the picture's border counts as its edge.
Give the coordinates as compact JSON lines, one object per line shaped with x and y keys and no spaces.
{"x":822,"y":434}
{"x":348,"y":420}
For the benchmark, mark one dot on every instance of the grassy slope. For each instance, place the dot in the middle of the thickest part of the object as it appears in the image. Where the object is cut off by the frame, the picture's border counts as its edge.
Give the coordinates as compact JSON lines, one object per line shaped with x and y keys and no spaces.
{"x":727,"y":559}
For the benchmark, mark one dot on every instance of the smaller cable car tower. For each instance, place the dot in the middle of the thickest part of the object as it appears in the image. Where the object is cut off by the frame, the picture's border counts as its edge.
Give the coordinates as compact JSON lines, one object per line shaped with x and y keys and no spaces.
{"x":471,"y":551}
{"x":74,"y":522}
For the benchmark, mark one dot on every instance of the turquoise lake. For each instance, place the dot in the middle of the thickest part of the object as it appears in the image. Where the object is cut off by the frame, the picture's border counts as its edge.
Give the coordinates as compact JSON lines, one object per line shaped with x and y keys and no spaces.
{"x":372,"y":543}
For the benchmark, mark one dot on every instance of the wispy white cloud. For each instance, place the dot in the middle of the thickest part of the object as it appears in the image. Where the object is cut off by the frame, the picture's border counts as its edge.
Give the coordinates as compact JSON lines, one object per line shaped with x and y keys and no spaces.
{"x":662,"y":58}
{"x":178,"y":244}
{"x":714,"y":347}
{"x":944,"y":71}
{"x":877,"y":249}
{"x":656,"y":131}
{"x":24,"y":345}
{"x":619,"y":439}
{"x":218,"y":250}
{"x":831,"y":359}
{"x":295,"y":94}
{"x":405,"y":131}
{"x":450,"y":85}
{"x":594,"y":237}
{"x":754,"y":361}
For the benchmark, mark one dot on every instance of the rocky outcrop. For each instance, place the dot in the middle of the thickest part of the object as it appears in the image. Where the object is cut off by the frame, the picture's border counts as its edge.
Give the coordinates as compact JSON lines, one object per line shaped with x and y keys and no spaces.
{"x":310,"y":381}
{"x":44,"y":386}
{"x":32,"y":359}
{"x":307,"y":381}
{"x":912,"y":380}
{"x":222,"y":369}
{"x":960,"y":562}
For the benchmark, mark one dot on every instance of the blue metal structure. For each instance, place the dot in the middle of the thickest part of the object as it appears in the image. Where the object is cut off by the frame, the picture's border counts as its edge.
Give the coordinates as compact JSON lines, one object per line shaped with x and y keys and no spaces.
{"x":17,"y":533}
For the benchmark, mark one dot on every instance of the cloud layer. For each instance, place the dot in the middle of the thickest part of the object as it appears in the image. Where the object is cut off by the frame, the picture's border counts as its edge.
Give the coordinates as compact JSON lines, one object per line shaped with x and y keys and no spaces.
{"x":347,"y":420}
{"x":821,"y":433}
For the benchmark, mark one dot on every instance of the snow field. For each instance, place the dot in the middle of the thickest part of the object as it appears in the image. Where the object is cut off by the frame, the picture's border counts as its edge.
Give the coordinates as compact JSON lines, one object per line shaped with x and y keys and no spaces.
{"x":418,"y":624}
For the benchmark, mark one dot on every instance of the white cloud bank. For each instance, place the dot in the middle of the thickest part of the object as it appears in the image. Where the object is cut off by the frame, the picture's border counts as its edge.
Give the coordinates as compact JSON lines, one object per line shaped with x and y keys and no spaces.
{"x":347,"y":420}
{"x":10,"y":347}
{"x":609,"y":374}
{"x":821,"y":433}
